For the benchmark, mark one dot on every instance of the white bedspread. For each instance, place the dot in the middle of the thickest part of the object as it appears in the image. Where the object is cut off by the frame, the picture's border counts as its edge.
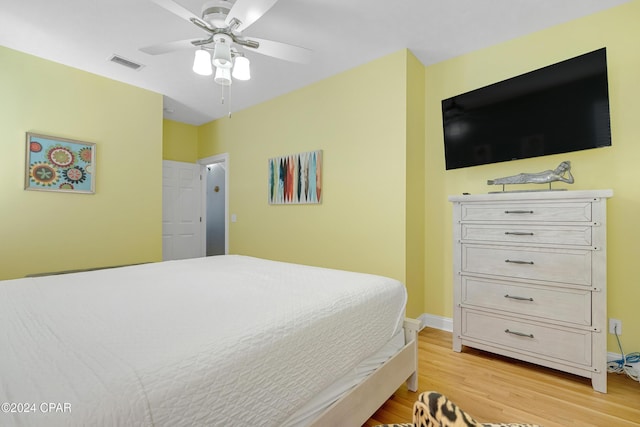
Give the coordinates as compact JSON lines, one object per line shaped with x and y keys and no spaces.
{"x":226,"y":340}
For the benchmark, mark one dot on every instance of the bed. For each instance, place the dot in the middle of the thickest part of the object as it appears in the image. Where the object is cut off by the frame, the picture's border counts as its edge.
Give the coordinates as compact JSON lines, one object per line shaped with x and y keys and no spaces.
{"x":224,"y":340}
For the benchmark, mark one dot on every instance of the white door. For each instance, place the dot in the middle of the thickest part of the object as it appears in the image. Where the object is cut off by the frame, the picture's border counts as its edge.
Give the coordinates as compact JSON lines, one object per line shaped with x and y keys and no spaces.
{"x":181,"y":211}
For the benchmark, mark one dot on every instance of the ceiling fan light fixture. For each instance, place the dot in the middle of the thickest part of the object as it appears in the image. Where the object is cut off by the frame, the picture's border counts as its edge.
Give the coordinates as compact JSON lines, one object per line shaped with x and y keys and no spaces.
{"x":222,"y":51}
{"x":202,"y":63}
{"x":223,"y":76}
{"x":241,"y":68}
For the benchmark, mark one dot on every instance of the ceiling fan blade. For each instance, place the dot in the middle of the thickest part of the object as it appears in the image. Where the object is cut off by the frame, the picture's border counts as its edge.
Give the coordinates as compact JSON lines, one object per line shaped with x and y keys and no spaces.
{"x":248,"y":11}
{"x":284,"y":51}
{"x":183,"y":13}
{"x":159,"y":49}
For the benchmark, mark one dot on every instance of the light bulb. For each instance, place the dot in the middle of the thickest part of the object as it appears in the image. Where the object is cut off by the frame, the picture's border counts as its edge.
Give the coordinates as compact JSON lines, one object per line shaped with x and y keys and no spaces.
{"x":202,"y":63}
{"x":223,"y":76}
{"x":241,"y":69}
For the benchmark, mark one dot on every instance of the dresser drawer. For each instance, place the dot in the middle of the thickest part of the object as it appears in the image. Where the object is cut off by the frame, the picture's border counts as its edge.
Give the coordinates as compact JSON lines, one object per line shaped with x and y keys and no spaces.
{"x":562,"y":304}
{"x":555,"y":265}
{"x":513,"y":211}
{"x":535,"y":339}
{"x":576,"y":235}
{"x":530,"y":278}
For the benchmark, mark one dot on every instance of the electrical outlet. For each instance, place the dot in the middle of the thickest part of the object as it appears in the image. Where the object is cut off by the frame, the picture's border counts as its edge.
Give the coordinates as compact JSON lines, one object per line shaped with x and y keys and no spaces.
{"x":615,"y":326}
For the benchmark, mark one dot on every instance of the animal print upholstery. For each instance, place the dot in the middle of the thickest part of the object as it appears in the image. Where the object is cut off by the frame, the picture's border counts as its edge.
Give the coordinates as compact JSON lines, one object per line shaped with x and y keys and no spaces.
{"x":432,"y":409}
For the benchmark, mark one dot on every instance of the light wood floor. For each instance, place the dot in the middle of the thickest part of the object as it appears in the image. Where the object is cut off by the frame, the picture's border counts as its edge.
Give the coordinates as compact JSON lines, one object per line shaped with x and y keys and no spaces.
{"x":492,"y":388}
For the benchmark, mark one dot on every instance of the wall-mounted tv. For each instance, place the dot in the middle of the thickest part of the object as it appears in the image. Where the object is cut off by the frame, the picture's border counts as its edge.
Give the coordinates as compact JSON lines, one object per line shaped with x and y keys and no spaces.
{"x":560,"y":108}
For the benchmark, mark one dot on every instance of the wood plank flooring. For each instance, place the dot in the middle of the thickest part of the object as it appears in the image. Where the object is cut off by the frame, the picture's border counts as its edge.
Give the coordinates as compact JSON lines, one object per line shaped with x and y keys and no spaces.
{"x":493,"y":388}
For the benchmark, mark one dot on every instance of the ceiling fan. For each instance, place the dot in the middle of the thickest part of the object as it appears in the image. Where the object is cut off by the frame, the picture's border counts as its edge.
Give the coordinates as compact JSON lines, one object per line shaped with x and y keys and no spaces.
{"x":224,"y":21}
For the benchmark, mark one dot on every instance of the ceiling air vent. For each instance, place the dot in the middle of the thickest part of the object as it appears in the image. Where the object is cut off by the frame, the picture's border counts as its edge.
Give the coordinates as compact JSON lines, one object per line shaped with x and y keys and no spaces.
{"x":125,"y":62}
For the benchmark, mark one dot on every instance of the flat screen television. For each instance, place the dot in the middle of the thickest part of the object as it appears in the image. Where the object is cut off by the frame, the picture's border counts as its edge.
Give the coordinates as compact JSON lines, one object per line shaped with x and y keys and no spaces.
{"x":560,"y":108}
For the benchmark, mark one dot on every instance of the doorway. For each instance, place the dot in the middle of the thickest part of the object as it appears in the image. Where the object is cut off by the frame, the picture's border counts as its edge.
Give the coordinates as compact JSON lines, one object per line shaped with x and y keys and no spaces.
{"x":215,"y":197}
{"x":214,"y":233}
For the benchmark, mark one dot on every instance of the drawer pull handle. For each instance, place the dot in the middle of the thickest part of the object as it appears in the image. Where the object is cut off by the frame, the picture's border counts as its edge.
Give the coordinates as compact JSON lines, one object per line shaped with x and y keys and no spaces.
{"x":518,"y":233}
{"x":518,"y":212}
{"x":518,"y":298}
{"x":515,"y":261}
{"x":520,"y":334}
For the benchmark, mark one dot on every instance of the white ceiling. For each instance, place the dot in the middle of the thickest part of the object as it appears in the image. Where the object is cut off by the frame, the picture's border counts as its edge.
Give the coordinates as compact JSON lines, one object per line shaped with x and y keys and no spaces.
{"x":342,"y":34}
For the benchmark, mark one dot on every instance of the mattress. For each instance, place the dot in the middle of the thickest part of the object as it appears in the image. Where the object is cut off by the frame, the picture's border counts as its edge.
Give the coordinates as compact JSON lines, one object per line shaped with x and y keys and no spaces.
{"x":313,"y":408}
{"x":225,"y":340}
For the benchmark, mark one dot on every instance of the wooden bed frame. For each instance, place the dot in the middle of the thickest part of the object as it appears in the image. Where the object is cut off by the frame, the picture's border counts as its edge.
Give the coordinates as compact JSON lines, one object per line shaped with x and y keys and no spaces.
{"x":357,"y":405}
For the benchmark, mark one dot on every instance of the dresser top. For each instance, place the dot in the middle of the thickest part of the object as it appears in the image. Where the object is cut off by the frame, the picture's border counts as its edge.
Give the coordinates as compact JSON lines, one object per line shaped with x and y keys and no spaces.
{"x":532,"y":195}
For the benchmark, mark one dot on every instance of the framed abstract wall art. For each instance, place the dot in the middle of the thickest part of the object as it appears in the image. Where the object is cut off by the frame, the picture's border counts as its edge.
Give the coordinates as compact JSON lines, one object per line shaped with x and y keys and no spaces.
{"x":296,"y":179}
{"x":59,"y":164}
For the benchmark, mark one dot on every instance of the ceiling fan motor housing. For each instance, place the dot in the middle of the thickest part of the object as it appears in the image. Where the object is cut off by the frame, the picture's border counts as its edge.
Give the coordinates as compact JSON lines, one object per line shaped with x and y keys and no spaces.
{"x":215,"y":12}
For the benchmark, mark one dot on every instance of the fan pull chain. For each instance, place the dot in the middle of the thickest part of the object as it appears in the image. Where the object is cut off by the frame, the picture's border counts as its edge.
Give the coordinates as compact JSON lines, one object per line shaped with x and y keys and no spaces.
{"x":229,"y":103}
{"x":229,"y":98}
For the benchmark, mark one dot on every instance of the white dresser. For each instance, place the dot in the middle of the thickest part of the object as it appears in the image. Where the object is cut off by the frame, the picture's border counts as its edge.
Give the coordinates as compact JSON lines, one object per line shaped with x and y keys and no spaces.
{"x":530,"y":278}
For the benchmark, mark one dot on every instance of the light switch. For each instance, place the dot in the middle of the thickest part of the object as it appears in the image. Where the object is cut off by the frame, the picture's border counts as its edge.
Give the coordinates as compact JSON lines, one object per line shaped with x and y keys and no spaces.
{"x":234,"y":218}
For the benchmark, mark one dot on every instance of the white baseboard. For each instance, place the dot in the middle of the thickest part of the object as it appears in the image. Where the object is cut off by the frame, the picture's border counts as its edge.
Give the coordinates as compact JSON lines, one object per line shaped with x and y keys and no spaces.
{"x":436,"y":322}
{"x":617,"y":356}
{"x":613,"y":356}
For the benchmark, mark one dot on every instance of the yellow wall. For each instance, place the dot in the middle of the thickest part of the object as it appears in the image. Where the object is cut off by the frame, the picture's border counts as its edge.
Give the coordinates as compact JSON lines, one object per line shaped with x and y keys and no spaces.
{"x":121,"y":222}
{"x":179,"y":141}
{"x":358,"y":119}
{"x":615,"y":167}
{"x":415,"y":182}
{"x":366,"y":122}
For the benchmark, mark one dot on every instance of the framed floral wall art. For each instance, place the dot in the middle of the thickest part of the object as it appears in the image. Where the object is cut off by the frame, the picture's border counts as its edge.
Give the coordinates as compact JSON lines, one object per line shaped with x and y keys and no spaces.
{"x":59,"y":164}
